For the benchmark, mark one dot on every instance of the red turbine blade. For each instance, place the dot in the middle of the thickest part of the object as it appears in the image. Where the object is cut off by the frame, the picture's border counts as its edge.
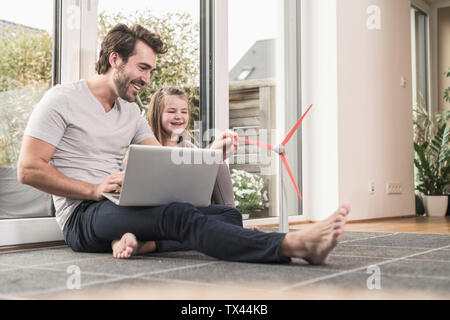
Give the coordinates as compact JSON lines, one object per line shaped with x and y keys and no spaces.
{"x":259,"y":144}
{"x":291,"y":133}
{"x":286,"y":165}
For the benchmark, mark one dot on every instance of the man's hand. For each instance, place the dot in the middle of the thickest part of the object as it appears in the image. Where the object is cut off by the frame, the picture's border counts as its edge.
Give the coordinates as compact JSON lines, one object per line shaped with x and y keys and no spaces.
{"x":227,"y":142}
{"x":113,"y":183}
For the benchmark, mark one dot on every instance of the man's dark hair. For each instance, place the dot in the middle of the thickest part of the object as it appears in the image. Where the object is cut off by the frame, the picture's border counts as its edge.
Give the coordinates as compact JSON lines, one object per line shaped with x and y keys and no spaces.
{"x":122,"y":39}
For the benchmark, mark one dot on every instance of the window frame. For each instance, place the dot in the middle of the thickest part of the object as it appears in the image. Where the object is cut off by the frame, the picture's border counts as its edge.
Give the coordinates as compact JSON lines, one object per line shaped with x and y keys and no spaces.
{"x":14,"y":232}
{"x":427,"y":57}
{"x":207,"y":69}
{"x":292,"y":93}
{"x":73,"y":52}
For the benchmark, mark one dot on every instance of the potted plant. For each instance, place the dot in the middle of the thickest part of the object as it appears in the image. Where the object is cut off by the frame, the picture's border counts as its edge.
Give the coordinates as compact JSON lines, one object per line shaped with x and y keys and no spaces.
{"x":248,"y":192}
{"x":431,"y":145}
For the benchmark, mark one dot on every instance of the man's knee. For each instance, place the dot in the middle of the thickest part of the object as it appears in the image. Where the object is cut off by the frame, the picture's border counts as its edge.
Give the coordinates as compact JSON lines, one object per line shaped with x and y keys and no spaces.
{"x":181,"y":207}
{"x":236,"y":214}
{"x":232,"y":214}
{"x":179,"y":211}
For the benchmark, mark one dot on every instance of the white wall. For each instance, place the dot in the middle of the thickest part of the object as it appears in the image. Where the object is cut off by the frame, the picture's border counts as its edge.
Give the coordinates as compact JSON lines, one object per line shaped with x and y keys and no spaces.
{"x":320,"y":128}
{"x":361,"y":129}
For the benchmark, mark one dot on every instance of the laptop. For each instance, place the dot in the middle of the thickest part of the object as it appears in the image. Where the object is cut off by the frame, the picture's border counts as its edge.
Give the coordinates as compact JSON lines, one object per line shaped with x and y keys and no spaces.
{"x":157,"y":176}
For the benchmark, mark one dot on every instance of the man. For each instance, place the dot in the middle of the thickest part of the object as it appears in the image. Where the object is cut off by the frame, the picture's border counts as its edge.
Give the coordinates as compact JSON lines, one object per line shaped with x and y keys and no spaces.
{"x":73,"y":148}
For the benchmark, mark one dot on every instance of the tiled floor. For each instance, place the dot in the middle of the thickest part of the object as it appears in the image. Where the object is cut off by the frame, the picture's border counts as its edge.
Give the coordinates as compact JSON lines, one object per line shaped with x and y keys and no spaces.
{"x":411,"y":266}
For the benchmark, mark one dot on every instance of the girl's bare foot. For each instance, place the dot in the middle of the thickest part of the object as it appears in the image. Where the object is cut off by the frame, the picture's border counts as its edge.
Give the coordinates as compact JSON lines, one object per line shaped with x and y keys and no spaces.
{"x":125,"y":247}
{"x":315,"y":243}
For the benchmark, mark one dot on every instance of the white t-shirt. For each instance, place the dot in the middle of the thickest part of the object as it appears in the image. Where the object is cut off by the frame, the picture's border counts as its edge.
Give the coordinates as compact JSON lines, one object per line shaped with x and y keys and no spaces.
{"x":90,"y":142}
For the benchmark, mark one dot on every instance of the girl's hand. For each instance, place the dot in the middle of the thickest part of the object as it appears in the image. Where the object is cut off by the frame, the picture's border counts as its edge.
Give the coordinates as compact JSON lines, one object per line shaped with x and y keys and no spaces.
{"x":227,"y":142}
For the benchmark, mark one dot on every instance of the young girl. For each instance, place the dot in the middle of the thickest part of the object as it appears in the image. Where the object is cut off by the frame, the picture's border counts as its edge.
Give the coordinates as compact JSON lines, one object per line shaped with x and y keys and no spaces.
{"x":168,"y":116}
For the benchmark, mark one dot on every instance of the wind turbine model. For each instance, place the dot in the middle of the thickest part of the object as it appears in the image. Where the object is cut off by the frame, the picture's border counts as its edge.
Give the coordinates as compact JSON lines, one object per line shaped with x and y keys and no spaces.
{"x":281,"y":151}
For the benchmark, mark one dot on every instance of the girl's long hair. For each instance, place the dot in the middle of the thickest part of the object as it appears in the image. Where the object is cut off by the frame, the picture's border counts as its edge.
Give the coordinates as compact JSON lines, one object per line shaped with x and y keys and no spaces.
{"x":156,"y":110}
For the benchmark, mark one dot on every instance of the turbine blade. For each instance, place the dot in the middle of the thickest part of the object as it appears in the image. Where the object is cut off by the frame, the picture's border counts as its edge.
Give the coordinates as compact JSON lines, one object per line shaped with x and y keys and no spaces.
{"x":286,"y":165}
{"x":256,"y":143}
{"x":291,"y":133}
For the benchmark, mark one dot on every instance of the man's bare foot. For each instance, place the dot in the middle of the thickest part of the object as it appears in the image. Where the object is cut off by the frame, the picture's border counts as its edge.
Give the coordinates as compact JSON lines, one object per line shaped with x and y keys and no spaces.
{"x":315,"y":243}
{"x":128,"y":246}
{"x":125,"y":247}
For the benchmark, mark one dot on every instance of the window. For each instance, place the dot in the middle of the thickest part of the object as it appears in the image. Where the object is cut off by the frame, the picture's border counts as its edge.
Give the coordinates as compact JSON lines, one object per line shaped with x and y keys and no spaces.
{"x":420,"y":59}
{"x":26,"y":73}
{"x":80,"y":26}
{"x":178,"y":23}
{"x":264,"y":103}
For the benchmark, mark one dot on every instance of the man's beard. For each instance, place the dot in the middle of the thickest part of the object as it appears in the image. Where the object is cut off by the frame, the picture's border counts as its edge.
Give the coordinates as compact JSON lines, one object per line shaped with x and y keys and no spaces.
{"x":123,"y":82}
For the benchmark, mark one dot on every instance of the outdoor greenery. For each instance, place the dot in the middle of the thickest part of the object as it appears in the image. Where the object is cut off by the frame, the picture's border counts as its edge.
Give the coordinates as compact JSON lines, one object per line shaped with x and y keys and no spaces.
{"x":432,"y":147}
{"x":447,"y":91}
{"x":26,"y":69}
{"x":25,"y":59}
{"x":248,"y":191}
{"x":180,"y":65}
{"x":25,"y":75}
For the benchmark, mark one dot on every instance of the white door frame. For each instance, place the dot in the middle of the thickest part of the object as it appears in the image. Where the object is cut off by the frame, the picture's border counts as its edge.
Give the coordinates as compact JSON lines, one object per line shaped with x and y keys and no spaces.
{"x":288,"y":55}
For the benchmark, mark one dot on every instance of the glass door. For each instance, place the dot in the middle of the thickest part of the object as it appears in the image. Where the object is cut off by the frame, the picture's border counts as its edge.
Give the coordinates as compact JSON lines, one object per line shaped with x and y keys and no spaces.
{"x":27,"y":47}
{"x":264,"y":104}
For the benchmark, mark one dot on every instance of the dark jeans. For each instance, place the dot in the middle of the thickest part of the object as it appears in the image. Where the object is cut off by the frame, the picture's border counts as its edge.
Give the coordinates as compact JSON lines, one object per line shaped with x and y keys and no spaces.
{"x":216,"y":230}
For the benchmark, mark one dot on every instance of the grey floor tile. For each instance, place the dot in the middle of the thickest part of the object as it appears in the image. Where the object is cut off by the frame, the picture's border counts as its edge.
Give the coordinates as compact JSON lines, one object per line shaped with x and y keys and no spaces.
{"x":131,"y":267}
{"x":371,"y":251}
{"x":6,"y":268}
{"x":45,"y":256}
{"x":187,"y":255}
{"x":357,"y":235}
{"x":362,"y":281}
{"x":409,"y":240}
{"x":337,"y":263}
{"x":241,"y":274}
{"x":143,"y":289}
{"x":21,"y":282}
{"x":417,"y":268}
{"x":43,"y":270}
{"x":439,"y":255}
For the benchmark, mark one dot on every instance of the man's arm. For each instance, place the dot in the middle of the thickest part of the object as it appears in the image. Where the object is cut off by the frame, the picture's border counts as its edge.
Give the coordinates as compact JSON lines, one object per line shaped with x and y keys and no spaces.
{"x":34,"y":170}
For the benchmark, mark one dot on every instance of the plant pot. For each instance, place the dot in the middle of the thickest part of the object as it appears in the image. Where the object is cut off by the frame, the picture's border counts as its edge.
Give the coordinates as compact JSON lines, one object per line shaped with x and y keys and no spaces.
{"x":436,"y":206}
{"x":18,"y":201}
{"x":448,"y":206}
{"x":420,"y":209}
{"x":245,"y":216}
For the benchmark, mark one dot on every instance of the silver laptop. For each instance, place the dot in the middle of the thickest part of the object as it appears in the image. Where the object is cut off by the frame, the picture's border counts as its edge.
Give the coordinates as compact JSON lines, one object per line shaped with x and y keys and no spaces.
{"x":157,"y":176}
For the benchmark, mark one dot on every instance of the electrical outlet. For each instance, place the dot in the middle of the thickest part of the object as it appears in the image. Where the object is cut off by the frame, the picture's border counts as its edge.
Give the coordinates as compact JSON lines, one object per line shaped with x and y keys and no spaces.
{"x":372,"y":188}
{"x":394,"y":188}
